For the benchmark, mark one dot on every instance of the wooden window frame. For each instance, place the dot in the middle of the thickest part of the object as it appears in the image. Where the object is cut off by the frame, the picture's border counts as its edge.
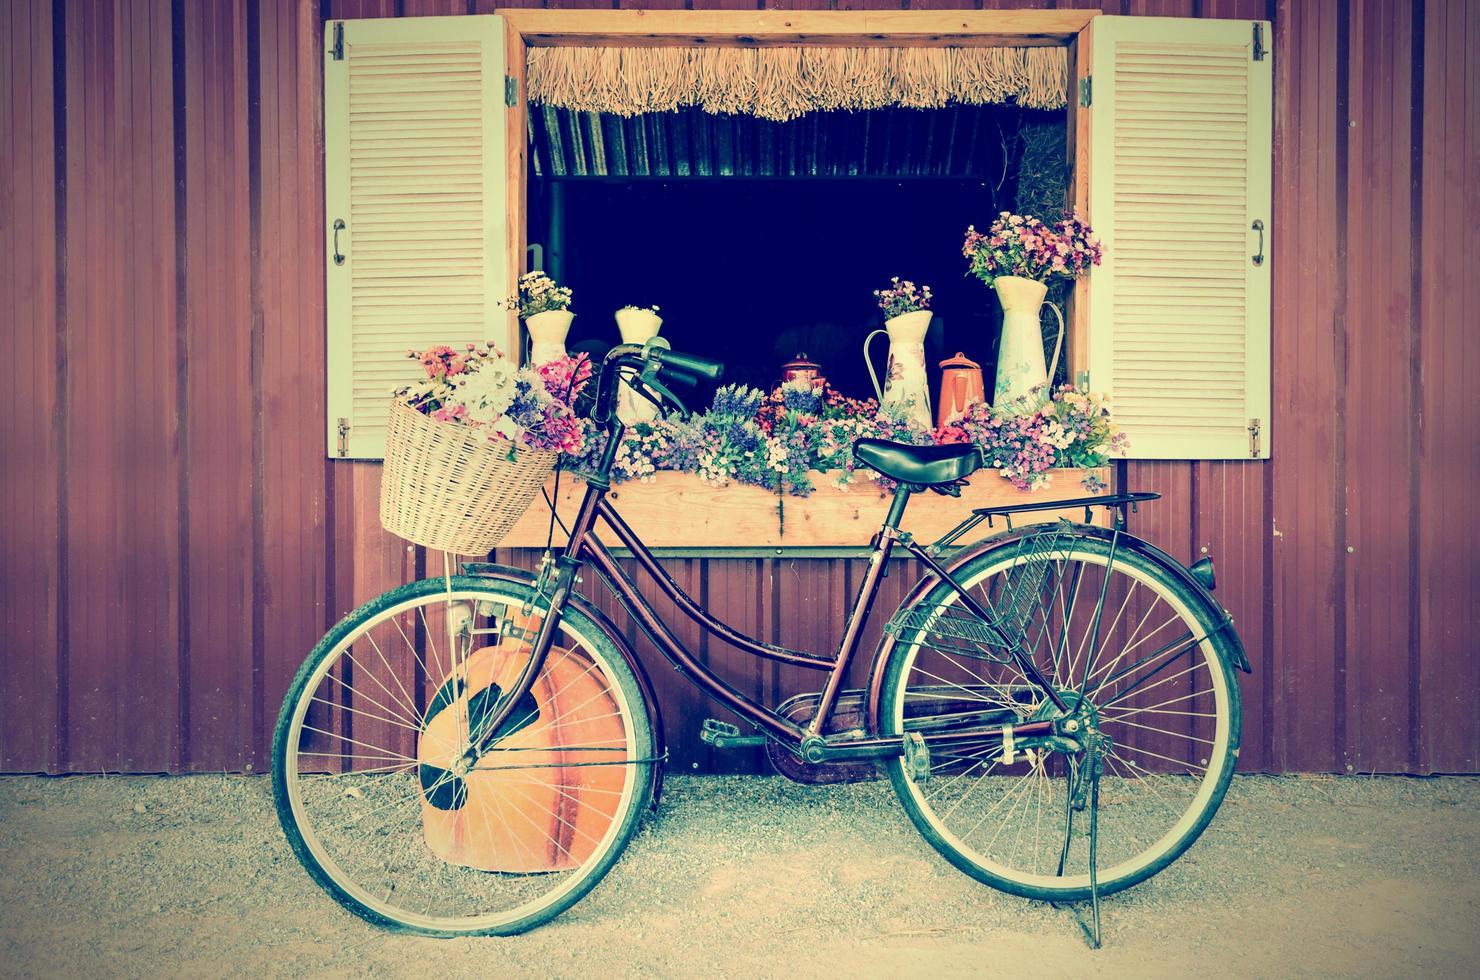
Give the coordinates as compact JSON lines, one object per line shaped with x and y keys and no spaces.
{"x":833,"y":517}
{"x":532,"y":27}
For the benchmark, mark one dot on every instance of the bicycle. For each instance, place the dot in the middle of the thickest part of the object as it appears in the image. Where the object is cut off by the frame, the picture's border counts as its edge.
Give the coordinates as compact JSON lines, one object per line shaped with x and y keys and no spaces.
{"x":1055,"y":706}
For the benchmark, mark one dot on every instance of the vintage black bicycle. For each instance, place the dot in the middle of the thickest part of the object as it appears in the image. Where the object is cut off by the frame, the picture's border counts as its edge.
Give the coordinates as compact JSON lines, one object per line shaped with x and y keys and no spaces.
{"x":1056,"y":706}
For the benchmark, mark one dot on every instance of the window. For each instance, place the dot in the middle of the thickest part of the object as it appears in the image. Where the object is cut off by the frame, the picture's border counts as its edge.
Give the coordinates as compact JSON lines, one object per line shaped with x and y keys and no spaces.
{"x":424,"y":191}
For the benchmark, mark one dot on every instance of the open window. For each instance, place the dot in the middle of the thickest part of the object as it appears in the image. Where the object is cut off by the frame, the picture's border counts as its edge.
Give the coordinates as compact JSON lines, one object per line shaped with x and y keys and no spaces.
{"x":722,"y":219}
{"x":763,"y":240}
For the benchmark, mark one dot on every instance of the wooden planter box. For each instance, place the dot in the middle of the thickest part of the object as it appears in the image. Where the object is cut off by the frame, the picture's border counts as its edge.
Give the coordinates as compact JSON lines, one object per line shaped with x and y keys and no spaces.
{"x":678,"y":510}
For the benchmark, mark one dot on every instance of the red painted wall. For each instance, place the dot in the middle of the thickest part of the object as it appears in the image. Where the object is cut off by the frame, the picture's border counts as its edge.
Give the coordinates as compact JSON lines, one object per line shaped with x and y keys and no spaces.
{"x":172,"y":539}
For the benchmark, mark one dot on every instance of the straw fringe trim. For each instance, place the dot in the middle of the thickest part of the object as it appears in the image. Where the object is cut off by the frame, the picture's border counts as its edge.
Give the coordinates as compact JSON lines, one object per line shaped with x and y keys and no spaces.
{"x":781,"y":83}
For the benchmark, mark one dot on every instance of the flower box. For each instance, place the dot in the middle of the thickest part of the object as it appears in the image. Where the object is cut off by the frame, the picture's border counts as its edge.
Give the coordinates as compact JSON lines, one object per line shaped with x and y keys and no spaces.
{"x":678,"y":510}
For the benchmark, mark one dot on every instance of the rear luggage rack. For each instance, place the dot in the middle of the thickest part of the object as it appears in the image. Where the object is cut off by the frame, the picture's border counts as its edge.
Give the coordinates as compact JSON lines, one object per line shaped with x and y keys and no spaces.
{"x":957,"y":630}
{"x":1119,"y":501}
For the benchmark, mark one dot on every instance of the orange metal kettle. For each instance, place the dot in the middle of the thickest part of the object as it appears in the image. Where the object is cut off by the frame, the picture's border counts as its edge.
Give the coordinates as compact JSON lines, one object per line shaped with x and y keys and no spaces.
{"x":960,"y":386}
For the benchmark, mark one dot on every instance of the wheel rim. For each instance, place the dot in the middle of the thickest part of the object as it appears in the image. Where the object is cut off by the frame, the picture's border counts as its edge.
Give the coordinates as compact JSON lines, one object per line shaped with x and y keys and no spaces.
{"x":1169,"y":719}
{"x":370,"y":764}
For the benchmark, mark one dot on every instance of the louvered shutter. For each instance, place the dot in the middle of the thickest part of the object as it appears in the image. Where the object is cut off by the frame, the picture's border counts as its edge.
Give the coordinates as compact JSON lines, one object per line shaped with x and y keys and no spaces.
{"x":415,"y":194}
{"x":1180,"y":169}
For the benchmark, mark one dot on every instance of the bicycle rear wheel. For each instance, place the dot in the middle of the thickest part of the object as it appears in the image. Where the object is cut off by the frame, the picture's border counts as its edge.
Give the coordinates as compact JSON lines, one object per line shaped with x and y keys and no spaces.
{"x":1126,"y":643}
{"x":402,"y":803}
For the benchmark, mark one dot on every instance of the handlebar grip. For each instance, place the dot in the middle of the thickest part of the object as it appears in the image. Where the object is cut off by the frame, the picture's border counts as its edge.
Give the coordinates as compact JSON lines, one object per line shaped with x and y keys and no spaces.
{"x":700,"y":368}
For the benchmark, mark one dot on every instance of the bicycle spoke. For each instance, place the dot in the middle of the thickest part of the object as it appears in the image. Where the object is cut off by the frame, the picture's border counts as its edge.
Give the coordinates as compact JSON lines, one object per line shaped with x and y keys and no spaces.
{"x":1127,"y":692}
{"x":1194,"y":738}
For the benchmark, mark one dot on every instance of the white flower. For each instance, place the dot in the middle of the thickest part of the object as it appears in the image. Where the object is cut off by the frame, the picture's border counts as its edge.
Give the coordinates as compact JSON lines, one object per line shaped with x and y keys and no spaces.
{"x":488,"y":391}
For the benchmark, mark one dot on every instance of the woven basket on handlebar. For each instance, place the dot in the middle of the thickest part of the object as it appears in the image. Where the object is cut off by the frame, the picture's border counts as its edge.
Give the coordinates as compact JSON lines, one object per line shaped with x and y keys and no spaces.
{"x":446,"y":486}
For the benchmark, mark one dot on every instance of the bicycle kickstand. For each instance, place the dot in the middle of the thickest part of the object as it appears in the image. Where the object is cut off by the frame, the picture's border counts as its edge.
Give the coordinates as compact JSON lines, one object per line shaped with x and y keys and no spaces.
{"x":1093,"y":934}
{"x":1093,"y":766}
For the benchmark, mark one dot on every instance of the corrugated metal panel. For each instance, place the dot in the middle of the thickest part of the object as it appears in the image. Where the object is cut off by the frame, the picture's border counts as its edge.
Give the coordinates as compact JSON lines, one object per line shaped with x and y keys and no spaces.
{"x":1447,"y":362}
{"x":32,"y":648}
{"x":954,"y":141}
{"x":172,"y":485}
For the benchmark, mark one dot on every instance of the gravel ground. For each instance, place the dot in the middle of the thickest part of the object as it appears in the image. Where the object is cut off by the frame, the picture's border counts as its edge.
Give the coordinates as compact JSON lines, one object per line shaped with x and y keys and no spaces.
{"x":738,"y":876}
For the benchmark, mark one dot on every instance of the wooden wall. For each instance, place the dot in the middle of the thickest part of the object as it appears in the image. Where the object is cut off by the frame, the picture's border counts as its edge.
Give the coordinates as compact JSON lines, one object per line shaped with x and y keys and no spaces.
{"x":173,"y":540}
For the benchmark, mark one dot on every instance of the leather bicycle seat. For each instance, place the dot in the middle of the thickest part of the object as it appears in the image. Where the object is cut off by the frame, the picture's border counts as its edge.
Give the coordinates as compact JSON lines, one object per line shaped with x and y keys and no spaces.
{"x":921,"y":465}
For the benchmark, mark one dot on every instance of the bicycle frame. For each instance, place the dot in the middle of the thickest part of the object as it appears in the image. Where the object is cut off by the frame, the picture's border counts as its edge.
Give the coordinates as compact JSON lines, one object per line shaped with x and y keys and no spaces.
{"x":808,"y":742}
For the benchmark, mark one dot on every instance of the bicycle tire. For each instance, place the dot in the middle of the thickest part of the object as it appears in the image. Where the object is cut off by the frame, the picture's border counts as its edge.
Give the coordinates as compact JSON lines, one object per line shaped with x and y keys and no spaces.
{"x":290,"y":724}
{"x":1218,"y":655}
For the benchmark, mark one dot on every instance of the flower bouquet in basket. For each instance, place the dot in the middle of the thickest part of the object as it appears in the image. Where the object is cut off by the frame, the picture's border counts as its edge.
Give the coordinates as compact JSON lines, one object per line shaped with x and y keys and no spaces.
{"x":468,"y":448}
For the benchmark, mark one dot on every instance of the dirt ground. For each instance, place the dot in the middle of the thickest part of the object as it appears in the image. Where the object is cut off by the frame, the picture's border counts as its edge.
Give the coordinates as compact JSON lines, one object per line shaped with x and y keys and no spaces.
{"x":190,"y":876}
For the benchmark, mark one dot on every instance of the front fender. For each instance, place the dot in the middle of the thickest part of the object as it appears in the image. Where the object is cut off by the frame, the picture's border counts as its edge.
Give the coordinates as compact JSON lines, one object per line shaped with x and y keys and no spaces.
{"x":509,"y":573}
{"x":1127,"y":541}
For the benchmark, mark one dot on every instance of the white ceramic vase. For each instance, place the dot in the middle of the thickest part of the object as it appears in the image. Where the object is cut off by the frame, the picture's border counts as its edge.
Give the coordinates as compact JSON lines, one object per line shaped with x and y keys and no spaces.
{"x":905,"y":385}
{"x":547,"y":333}
{"x":1020,"y":365}
{"x":636,"y":327}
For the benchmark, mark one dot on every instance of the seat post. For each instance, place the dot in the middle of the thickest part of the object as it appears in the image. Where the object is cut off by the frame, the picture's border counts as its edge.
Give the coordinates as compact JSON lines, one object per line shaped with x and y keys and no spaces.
{"x":896,"y":507}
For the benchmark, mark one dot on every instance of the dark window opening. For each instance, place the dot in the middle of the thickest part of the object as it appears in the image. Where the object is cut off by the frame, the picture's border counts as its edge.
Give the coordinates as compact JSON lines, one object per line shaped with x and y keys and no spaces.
{"x":760,"y":240}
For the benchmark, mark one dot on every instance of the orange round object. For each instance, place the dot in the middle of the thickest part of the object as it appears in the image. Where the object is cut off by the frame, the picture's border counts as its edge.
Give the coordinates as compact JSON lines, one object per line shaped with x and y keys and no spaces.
{"x":522,"y":807}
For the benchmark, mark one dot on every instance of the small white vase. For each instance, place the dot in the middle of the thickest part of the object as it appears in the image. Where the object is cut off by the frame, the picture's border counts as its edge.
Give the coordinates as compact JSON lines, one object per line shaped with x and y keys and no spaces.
{"x":905,"y":386}
{"x":636,"y":327}
{"x":547,"y":332}
{"x":1020,"y":364}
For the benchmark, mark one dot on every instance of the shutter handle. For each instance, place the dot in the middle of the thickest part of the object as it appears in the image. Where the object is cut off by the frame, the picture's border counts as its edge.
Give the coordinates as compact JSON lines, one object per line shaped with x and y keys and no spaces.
{"x":1258,"y":226}
{"x":339,"y":256}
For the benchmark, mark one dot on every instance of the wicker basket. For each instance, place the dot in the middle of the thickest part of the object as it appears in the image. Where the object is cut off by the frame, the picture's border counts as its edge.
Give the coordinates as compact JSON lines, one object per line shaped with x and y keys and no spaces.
{"x":448,"y":488}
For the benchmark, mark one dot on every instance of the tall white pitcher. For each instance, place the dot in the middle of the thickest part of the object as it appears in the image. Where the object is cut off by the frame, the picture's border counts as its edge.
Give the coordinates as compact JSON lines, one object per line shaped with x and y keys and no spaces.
{"x":1020,"y":366}
{"x":637,"y":327}
{"x":905,"y":386}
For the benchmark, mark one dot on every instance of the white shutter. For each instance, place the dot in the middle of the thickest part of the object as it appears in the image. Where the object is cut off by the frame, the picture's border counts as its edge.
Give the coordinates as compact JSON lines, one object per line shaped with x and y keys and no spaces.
{"x":415,"y":169}
{"x":1180,"y":168}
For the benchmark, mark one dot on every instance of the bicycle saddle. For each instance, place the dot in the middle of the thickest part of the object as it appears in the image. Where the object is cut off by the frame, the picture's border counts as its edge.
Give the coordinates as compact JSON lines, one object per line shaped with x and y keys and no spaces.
{"x":920,"y":465}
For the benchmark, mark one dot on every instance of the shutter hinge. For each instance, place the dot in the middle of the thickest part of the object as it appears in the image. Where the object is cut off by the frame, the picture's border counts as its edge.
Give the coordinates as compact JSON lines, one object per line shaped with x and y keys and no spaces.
{"x":338,"y":49}
{"x":344,"y":437}
{"x":1086,"y":93}
{"x":1259,"y":49}
{"x":511,"y":91}
{"x":1253,"y":438}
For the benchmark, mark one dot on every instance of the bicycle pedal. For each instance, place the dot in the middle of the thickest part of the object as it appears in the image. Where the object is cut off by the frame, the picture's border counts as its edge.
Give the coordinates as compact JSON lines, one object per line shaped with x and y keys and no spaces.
{"x":723,"y":735}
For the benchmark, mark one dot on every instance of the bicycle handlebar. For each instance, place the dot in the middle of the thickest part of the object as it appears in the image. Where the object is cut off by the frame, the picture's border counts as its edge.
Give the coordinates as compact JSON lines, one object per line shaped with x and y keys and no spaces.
{"x":689,"y":369}
{"x":699,"y":368}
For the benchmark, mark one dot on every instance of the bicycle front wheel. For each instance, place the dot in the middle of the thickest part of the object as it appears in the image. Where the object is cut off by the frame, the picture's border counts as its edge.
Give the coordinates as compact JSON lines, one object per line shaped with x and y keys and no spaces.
{"x":1128,"y":646}
{"x":403,"y":803}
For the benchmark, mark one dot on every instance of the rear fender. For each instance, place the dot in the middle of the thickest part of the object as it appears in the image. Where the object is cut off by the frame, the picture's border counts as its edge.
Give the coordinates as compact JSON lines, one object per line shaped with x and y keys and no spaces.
{"x":520,"y":576}
{"x":1127,"y":541}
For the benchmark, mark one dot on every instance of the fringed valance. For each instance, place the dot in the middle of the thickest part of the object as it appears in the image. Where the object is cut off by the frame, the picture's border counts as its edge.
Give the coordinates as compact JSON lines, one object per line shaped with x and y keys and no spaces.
{"x":781,"y":83}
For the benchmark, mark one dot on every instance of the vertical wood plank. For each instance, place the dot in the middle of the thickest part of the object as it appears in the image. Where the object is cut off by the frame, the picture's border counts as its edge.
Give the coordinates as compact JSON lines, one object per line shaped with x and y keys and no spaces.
{"x":122,"y":426}
{"x":1230,"y":522}
{"x":1306,"y":581}
{"x":293,"y":492}
{"x":30,"y":465}
{"x":217,"y":413}
{"x":1380,"y":406}
{"x":1448,"y":461}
